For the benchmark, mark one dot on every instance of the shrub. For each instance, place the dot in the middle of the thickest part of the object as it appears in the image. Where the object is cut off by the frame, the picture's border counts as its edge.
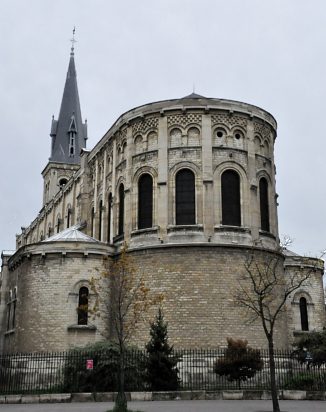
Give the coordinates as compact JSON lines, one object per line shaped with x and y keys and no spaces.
{"x":104,"y":376}
{"x":306,"y":381}
{"x":240,"y":362}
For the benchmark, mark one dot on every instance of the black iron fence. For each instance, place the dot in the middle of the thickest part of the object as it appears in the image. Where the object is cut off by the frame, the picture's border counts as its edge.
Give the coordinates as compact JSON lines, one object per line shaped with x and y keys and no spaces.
{"x":78,"y":371}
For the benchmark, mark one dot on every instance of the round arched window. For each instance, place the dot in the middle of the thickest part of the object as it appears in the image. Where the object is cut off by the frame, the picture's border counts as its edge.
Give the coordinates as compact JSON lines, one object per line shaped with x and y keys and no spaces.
{"x":62,"y":182}
{"x":231,"y":209}
{"x":145,"y":201}
{"x":185,"y":198}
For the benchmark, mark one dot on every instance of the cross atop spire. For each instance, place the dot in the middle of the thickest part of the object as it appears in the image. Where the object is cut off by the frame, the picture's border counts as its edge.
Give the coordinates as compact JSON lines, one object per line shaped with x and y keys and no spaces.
{"x":73,"y":41}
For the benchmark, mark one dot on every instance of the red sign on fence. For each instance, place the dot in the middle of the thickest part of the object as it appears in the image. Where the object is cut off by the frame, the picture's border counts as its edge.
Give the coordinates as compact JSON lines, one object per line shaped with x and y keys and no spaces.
{"x":89,"y":364}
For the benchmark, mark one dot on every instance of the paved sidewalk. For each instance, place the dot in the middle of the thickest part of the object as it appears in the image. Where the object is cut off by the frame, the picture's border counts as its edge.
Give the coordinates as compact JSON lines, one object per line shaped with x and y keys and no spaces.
{"x":173,"y":406}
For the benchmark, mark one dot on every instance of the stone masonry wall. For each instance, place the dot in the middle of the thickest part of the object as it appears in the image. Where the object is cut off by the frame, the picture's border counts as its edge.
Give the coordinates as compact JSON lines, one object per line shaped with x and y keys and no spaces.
{"x":199,"y":284}
{"x":47,"y":303}
{"x":311,"y":290}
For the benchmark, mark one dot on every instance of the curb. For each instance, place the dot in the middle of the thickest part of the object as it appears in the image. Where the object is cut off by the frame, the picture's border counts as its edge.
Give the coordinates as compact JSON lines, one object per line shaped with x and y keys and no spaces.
{"x":163,"y":396}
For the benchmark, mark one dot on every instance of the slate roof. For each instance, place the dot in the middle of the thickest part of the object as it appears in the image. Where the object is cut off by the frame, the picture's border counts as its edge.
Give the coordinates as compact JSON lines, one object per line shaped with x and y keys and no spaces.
{"x":71,"y":234}
{"x":194,"y":96}
{"x":287,"y":252}
{"x":69,"y":119}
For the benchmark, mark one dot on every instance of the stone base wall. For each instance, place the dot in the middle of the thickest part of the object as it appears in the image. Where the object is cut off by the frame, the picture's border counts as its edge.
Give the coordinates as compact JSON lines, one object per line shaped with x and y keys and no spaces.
{"x":46,"y":310}
{"x":199,"y":284}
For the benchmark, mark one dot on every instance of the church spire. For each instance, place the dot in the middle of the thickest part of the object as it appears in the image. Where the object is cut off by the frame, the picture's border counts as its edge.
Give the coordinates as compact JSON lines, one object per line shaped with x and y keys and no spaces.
{"x":69,"y":133}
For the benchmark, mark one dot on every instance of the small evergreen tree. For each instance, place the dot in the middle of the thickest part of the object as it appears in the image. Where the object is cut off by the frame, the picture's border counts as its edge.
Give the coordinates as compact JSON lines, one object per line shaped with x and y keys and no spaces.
{"x":162,"y":372}
{"x":129,"y":299}
{"x":240,"y":361}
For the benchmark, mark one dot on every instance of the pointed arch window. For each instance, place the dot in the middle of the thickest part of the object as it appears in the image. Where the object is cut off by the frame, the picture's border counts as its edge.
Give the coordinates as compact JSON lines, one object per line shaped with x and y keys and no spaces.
{"x":231,"y":208}
{"x":109,"y":216}
{"x":185,"y":206}
{"x":72,"y":136}
{"x":121,"y":209}
{"x":304,"y":314}
{"x":100,"y":221}
{"x":264,"y":206}
{"x":145,"y":201}
{"x":83,"y":306}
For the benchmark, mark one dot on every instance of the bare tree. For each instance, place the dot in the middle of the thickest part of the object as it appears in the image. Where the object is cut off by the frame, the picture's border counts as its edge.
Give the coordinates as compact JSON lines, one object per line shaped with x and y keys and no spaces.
{"x":264,"y":289}
{"x":122,"y":298}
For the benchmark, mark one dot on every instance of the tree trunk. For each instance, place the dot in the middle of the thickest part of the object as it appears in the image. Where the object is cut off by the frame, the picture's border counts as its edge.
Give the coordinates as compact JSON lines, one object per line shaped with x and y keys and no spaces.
{"x":276,"y":406}
{"x":121,"y":400}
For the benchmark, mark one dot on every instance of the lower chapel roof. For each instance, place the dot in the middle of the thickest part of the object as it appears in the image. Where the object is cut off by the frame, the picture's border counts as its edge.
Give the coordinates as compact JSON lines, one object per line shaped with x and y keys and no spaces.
{"x":71,"y":234}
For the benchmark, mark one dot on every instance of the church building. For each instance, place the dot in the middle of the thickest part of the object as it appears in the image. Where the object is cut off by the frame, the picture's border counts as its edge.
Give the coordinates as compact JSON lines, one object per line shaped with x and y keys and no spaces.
{"x":189,"y":185}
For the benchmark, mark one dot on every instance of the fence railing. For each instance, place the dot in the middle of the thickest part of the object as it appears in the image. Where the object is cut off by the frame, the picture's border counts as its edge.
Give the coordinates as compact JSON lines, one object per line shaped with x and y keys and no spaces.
{"x":78,"y":371}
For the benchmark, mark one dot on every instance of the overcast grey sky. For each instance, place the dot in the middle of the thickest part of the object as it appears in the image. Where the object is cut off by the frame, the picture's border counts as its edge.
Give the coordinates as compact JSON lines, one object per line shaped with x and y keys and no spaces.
{"x":267,"y":53}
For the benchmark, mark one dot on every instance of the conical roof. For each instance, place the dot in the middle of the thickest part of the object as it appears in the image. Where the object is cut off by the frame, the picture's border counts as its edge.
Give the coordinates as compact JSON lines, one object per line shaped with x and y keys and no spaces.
{"x":289,"y":253}
{"x":71,"y":234}
{"x":69,"y":133}
{"x":194,"y":96}
{"x":190,"y":99}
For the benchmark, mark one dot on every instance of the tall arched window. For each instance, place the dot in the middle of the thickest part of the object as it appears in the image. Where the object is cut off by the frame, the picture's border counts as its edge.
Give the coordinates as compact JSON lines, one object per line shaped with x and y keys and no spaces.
{"x":231,"y":209}
{"x":145,"y":201}
{"x":68,"y":217}
{"x":264,"y":207}
{"x":185,"y":206}
{"x":93,"y":222}
{"x":9,"y":310}
{"x":109,"y":216}
{"x":121,"y":209}
{"x":49,"y":230}
{"x":304,"y":314}
{"x":14,"y":304}
{"x":83,"y":306}
{"x":100,"y":211}
{"x":58,"y":224}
